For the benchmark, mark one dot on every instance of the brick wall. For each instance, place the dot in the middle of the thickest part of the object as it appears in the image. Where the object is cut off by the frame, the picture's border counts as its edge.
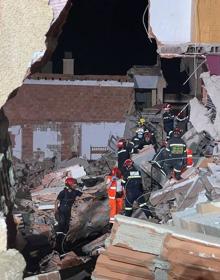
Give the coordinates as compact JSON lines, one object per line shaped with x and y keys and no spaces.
{"x":40,"y":103}
{"x":36,"y":106}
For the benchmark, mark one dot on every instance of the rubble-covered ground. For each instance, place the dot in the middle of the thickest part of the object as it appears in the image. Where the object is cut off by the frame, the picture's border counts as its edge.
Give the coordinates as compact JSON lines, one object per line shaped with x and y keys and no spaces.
{"x":38,"y":184}
{"x":176,"y":203}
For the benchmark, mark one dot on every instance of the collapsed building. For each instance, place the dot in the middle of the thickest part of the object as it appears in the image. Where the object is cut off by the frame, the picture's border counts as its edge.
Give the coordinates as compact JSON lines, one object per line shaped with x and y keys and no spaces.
{"x":61,"y":136}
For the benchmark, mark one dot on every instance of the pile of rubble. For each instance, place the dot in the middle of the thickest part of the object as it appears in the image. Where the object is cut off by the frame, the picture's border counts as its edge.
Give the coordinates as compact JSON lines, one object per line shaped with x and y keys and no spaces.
{"x":37,"y":200}
{"x":34,"y":209}
{"x":184,"y":244}
{"x":139,"y":250}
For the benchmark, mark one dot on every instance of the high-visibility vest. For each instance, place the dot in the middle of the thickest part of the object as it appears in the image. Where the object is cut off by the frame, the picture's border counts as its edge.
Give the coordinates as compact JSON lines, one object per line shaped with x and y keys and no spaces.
{"x":189,"y":158}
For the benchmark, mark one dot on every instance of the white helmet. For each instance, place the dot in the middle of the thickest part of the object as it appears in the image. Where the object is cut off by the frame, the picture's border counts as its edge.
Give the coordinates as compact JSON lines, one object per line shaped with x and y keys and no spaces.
{"x":140,"y":132}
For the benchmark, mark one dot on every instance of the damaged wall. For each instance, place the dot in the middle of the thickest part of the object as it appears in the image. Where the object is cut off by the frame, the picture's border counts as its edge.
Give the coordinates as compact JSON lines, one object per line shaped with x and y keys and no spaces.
{"x":184,"y":22}
{"x":168,"y":22}
{"x":105,"y":130}
{"x":18,"y":41}
{"x":203,"y":122}
{"x":69,"y":116}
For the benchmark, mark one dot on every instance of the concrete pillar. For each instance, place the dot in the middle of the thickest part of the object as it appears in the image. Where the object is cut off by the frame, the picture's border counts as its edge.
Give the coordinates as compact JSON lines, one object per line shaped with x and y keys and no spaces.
{"x":27,"y":142}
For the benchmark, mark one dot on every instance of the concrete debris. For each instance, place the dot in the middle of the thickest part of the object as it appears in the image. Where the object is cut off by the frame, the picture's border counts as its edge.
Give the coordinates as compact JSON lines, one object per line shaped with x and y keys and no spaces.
{"x":203,"y":123}
{"x":199,"y":142}
{"x":35,"y":215}
{"x":212,"y":84}
{"x":29,"y":174}
{"x":102,"y":166}
{"x":57,"y":262}
{"x":181,"y":238}
{"x":12,"y":265}
{"x":73,"y":161}
{"x":57,"y":177}
{"x":55,"y":275}
{"x":96,"y":246}
{"x":85,"y":217}
{"x":150,"y":250}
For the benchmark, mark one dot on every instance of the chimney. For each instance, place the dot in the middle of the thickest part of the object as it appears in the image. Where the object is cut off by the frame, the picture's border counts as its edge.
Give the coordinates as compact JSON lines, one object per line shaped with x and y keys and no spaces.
{"x":68,"y":63}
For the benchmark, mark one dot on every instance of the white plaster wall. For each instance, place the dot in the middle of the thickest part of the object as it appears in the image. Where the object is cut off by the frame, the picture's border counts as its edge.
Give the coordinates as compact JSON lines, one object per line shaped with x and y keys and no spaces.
{"x":171,"y":20}
{"x":17,"y":132}
{"x":98,"y":135}
{"x":44,"y":137}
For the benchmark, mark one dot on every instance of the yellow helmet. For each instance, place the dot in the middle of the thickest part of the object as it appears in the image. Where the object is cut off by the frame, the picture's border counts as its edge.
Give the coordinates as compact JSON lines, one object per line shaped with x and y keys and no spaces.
{"x":141,"y":121}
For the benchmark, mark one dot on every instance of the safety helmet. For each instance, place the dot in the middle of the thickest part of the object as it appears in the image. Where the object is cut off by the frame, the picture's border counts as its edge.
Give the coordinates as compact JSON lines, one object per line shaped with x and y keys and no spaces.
{"x":141,"y":121}
{"x":70,"y":181}
{"x":128,"y":163}
{"x":167,"y":107}
{"x":121,"y":143}
{"x":177,"y":132}
{"x":140,"y":131}
{"x":115,"y":172}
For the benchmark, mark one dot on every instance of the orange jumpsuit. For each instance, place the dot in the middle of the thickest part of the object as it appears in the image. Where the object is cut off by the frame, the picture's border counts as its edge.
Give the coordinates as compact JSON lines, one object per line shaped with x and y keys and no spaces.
{"x":115,"y":195}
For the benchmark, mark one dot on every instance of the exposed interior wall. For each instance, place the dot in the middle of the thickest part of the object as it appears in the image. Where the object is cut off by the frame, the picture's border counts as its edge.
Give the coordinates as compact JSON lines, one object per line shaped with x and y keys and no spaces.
{"x":98,"y":134}
{"x":206,"y":21}
{"x":46,"y":142}
{"x":170,"y":20}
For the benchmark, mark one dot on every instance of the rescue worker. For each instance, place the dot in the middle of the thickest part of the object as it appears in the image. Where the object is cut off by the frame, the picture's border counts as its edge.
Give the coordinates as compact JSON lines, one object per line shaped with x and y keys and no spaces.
{"x":161,"y":160}
{"x":142,"y":123}
{"x":177,"y":153}
{"x":132,"y":183}
{"x":64,"y":202}
{"x":181,"y":122}
{"x":146,"y":126}
{"x":136,"y":142}
{"x":168,"y":120}
{"x":123,"y":154}
{"x":115,"y":193}
{"x":149,"y":139}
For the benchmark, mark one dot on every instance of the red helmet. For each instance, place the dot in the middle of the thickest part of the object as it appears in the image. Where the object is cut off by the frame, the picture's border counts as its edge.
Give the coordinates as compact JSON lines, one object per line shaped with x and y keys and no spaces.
{"x":116,"y":172}
{"x":121,"y":143}
{"x":128,"y":163}
{"x":70,"y":181}
{"x":167,"y":107}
